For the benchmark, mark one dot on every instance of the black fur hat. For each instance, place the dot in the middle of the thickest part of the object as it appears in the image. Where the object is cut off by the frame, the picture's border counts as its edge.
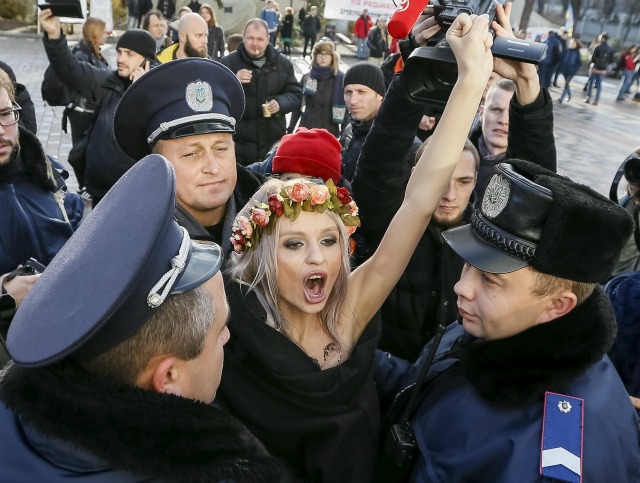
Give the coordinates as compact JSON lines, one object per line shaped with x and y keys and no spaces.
{"x":532,"y":216}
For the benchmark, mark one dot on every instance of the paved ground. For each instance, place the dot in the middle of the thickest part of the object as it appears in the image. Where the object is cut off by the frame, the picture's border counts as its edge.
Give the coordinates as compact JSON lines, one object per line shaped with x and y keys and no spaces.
{"x":591,"y":141}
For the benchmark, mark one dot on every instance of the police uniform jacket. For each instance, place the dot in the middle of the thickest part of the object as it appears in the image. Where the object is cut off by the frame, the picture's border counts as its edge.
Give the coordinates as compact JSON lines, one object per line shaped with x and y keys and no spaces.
{"x":530,"y":138}
{"x":105,"y":161}
{"x":255,"y":134}
{"x":83,"y":427}
{"x":480,"y":416}
{"x":37,"y":215}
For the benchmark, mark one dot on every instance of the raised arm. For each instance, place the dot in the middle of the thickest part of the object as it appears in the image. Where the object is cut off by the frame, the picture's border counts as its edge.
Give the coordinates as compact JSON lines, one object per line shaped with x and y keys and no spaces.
{"x":371,"y":283}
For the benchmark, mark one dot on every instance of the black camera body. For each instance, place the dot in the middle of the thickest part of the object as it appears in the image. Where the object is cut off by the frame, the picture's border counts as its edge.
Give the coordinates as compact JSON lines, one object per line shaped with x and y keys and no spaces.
{"x":430,"y":72}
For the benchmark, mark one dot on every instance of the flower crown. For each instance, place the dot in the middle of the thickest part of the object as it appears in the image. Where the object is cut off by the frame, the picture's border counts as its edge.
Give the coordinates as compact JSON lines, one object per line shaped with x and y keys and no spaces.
{"x":290,"y":201}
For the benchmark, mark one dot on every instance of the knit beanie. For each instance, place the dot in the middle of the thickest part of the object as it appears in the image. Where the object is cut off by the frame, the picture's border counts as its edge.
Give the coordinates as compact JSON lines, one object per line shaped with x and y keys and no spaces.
{"x":367,"y":74}
{"x":140,"y":41}
{"x":314,"y":152}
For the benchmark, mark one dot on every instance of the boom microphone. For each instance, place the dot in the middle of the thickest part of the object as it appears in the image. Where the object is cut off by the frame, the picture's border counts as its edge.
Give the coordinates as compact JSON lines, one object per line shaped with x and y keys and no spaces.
{"x":404,"y":18}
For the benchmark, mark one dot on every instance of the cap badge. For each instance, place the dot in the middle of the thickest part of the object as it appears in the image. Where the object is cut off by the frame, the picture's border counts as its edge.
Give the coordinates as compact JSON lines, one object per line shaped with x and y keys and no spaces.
{"x":199,"y":96}
{"x":496,"y":196}
{"x":564,"y":406}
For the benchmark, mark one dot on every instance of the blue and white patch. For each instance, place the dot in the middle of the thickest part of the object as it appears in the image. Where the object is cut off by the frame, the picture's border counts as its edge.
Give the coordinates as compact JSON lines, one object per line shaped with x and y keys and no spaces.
{"x":562,"y":438}
{"x":199,"y":96}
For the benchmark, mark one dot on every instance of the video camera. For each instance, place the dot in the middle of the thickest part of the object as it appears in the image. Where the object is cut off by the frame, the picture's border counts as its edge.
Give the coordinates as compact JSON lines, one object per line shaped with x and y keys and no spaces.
{"x":430,"y":72}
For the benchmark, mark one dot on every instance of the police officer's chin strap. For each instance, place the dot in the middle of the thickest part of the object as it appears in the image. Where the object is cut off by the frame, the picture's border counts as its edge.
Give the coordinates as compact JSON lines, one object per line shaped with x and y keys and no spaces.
{"x":178,"y":263}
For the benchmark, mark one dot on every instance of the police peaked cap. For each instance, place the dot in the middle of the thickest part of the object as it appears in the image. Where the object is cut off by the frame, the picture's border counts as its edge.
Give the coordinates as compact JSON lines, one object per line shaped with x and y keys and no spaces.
{"x":183,"y":97}
{"x":126,"y":257}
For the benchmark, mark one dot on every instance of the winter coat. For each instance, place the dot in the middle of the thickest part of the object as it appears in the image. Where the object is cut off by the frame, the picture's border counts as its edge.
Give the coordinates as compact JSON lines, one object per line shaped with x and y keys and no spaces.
{"x":28,"y":110}
{"x":270,"y":16}
{"x":377,"y":43}
{"x":553,"y":54}
{"x":571,"y":63}
{"x":133,"y":8}
{"x":323,"y":423}
{"x":311,"y":26}
{"x":480,"y":416}
{"x":106,"y":162}
{"x":246,"y":185}
{"x":287,"y":27}
{"x":424,"y":296}
{"x":318,"y":109}
{"x":84,"y":427}
{"x":602,"y":56}
{"x":167,"y":7}
{"x":255,"y":134}
{"x":362,"y":27}
{"x":216,"y":42}
{"x":38,"y":216}
{"x":530,"y":137}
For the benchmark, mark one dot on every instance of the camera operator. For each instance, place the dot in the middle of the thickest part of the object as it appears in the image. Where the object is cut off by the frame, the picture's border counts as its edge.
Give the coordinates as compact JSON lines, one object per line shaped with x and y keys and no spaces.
{"x":424,"y":296}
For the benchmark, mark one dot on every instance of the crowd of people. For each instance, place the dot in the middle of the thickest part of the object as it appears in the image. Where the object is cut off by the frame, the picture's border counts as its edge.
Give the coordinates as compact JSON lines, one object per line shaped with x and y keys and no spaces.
{"x":322,"y":280}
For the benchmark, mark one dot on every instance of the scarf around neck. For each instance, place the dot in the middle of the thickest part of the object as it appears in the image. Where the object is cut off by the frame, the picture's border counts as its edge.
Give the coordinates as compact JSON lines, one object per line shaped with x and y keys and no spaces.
{"x":310,"y":88}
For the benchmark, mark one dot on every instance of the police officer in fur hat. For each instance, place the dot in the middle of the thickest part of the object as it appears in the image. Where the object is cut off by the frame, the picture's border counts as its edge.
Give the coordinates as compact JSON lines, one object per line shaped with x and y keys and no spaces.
{"x":187,"y":110}
{"x":118,"y":350}
{"x":522,"y":389}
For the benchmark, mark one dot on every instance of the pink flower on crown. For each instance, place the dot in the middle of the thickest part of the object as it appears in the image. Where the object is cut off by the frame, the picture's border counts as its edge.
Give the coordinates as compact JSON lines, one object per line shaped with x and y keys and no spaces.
{"x":350,"y":229}
{"x":260,"y":217}
{"x":319,"y":194}
{"x":353,"y":208}
{"x":275,"y":204}
{"x":343,"y":195}
{"x":299,"y":192}
{"x":244,"y":226}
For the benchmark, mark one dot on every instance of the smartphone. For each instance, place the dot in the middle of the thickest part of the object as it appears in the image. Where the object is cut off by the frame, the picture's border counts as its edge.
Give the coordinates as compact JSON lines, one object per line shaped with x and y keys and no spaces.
{"x":63,"y":8}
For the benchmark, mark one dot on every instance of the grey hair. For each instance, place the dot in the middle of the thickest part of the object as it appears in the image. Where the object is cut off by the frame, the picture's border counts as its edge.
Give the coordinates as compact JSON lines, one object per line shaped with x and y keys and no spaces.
{"x":178,"y":327}
{"x":258,"y":267}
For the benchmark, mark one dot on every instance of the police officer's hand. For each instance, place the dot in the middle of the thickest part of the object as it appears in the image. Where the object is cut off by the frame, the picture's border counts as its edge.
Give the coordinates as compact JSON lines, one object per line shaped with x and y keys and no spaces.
{"x":50,"y":24}
{"x":471,"y":42}
{"x":425,"y":28}
{"x":524,"y":75}
{"x":19,"y":287}
{"x":244,"y":76}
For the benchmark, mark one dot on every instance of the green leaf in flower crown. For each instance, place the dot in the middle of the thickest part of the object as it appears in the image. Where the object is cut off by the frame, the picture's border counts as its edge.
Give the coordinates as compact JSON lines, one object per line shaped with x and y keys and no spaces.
{"x":296,"y":211}
{"x":289,"y":211}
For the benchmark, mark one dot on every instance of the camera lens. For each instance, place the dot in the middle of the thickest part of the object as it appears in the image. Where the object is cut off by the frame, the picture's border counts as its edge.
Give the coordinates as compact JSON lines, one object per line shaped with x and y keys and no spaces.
{"x":446,"y":74}
{"x":632,"y":170}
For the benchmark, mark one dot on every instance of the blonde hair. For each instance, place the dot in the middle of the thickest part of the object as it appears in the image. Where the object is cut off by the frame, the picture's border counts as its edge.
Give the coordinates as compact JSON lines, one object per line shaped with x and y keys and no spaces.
{"x":92,"y":31}
{"x":544,"y":284}
{"x":258,"y":267}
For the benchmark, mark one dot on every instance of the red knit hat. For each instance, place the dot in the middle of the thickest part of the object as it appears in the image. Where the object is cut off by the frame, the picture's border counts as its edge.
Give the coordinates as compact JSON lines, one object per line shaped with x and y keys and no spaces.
{"x":314,"y":152}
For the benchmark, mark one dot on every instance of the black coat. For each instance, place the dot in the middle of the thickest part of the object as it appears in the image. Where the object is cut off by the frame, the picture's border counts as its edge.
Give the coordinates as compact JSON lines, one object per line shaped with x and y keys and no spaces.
{"x":106,"y":162}
{"x":530,"y":137}
{"x":85,"y":427}
{"x":377,"y":43}
{"x":255,"y":134}
{"x":287,"y":27}
{"x":318,"y":109}
{"x":215,"y":42}
{"x":167,"y":7}
{"x":324,"y":423}
{"x":311,"y":26}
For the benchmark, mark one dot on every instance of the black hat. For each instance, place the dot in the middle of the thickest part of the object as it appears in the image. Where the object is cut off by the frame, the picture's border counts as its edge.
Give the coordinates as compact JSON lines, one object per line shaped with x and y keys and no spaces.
{"x":367,"y":74}
{"x":140,"y":41}
{"x":113,"y":273}
{"x":183,"y":97}
{"x":532,"y":216}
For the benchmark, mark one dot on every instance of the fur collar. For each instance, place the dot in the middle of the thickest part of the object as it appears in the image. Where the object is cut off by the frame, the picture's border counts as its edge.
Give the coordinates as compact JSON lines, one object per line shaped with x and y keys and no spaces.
{"x":158,"y":436}
{"x":34,"y":160}
{"x":547,"y":357}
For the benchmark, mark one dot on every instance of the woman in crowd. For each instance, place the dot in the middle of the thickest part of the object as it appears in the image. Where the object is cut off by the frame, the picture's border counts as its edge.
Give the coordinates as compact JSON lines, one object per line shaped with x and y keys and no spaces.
{"x":323,"y":96}
{"x":628,"y":61}
{"x":216,"y":34}
{"x":298,"y":366}
{"x":82,"y":112}
{"x":569,"y":67}
{"x":286,"y":32}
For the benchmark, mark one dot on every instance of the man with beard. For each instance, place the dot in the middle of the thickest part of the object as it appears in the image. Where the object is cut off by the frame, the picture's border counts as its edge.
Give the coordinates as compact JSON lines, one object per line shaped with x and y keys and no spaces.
{"x":105,"y":161}
{"x":193,"y":35}
{"x":424,"y":296}
{"x":271,"y":91}
{"x":36,"y":220}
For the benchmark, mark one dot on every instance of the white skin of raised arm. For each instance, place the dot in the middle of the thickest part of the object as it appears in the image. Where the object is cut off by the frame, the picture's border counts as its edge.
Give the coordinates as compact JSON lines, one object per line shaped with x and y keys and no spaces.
{"x":371,"y":283}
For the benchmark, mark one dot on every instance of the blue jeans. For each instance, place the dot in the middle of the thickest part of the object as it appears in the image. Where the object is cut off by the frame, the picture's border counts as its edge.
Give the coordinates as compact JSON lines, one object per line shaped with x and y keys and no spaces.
{"x":361,"y":52}
{"x":597,"y":81}
{"x":627,"y":80}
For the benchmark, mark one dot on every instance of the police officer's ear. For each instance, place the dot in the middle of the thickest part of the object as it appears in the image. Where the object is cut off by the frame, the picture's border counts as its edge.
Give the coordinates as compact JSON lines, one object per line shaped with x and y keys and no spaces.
{"x":161,"y":375}
{"x":560,"y":304}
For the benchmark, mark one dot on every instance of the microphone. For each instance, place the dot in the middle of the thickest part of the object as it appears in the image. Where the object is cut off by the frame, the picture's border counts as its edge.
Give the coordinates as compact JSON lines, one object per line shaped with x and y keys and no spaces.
{"x":404,"y":18}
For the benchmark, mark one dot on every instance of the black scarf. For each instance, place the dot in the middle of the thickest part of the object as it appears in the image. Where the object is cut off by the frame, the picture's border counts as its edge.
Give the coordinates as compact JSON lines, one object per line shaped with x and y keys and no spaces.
{"x":157,"y":436}
{"x":324,"y":422}
{"x":546,"y":357}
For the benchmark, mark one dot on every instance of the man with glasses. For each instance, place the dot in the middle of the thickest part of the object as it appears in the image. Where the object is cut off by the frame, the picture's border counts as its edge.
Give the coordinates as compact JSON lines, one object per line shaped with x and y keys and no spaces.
{"x":37,"y":215}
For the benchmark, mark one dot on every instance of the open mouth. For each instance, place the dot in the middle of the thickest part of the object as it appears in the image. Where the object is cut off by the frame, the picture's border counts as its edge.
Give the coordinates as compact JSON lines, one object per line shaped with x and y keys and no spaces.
{"x":314,"y":285}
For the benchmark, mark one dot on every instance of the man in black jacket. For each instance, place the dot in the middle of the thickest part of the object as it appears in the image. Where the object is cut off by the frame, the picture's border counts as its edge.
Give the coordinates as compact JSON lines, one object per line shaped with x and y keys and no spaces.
{"x":424,"y":296}
{"x":192,"y":125}
{"x":271,"y":91}
{"x":105,"y":161}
